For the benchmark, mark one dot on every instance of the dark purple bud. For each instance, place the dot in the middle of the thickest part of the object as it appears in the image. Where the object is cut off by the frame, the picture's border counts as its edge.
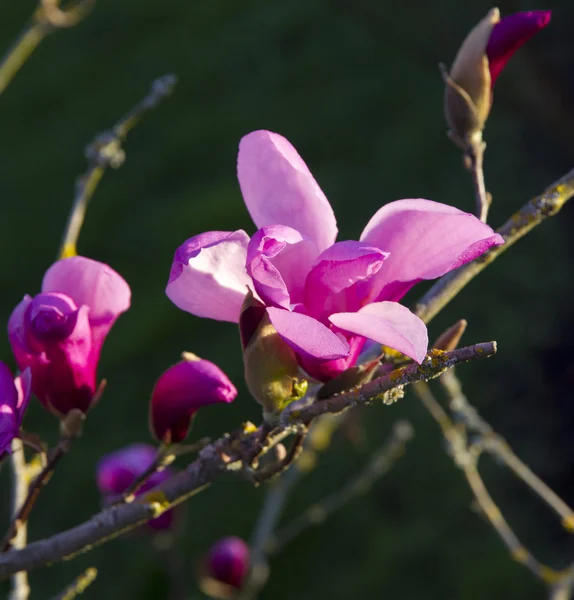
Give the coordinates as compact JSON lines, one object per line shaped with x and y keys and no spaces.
{"x":228,"y":561}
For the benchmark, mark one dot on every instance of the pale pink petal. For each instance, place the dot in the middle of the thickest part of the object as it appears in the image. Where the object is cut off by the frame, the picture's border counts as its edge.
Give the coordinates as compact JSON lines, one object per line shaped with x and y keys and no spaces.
{"x":307,"y":336}
{"x":90,"y":283}
{"x":278,"y":260}
{"x":208,"y":276}
{"x":426,"y":240}
{"x":340,"y":279}
{"x":279,"y":189}
{"x":388,"y":323}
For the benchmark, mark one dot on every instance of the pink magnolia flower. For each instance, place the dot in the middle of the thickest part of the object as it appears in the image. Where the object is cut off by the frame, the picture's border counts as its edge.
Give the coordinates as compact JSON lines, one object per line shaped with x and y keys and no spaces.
{"x":325,"y":298}
{"x":115,"y":472}
{"x":228,"y":561}
{"x":181,"y":391}
{"x":14,"y":397}
{"x":59,"y":333}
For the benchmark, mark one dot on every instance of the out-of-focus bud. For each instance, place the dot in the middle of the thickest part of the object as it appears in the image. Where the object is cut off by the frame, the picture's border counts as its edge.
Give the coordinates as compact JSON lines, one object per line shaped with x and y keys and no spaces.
{"x":14,"y":397}
{"x":450,"y":339}
{"x":116,"y":472}
{"x":478,"y":63}
{"x":271,"y":368}
{"x":181,"y":391}
{"x":225,"y":567}
{"x":59,"y":333}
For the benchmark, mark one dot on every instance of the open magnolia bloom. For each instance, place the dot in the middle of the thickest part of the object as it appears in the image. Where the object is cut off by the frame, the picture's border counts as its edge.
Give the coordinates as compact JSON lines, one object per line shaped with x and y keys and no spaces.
{"x":59,"y":333}
{"x":324,"y":298}
{"x":14,"y":398}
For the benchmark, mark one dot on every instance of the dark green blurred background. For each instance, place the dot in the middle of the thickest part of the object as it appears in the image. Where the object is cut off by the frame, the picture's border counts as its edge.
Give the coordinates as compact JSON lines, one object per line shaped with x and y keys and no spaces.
{"x":354,"y":85}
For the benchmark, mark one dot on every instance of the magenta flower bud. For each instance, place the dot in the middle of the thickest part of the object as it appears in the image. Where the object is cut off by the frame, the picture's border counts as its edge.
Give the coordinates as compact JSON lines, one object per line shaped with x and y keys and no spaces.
{"x":182,"y":390}
{"x":478,"y":63}
{"x":115,"y":473}
{"x":59,"y":333}
{"x":14,"y":397}
{"x":228,"y":561}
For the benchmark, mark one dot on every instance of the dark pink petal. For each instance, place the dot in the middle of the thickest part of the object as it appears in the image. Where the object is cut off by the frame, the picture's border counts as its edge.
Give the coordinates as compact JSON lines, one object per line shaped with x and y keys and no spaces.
{"x":307,"y":336}
{"x":390,"y":324}
{"x":509,"y":34}
{"x":208,"y":276}
{"x":94,"y":284}
{"x":228,"y":561}
{"x":279,"y":189}
{"x":426,"y":240}
{"x":181,"y":391}
{"x":325,"y":370}
{"x":340,"y":279}
{"x":278,"y":260}
{"x":53,"y":338}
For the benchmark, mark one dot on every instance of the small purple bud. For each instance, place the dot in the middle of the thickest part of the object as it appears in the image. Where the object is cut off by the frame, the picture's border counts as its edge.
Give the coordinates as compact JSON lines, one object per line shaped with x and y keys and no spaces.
{"x":181,"y":391}
{"x":228,"y":561}
{"x":116,"y":471}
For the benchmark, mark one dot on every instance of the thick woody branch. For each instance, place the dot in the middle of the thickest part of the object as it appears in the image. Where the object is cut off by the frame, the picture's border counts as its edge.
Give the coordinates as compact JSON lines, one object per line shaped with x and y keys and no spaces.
{"x":520,"y":223}
{"x":226,"y":454}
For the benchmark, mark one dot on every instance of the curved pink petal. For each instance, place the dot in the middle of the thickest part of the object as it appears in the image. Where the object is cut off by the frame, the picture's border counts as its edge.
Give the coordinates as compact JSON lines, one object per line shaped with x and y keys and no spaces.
{"x":426,"y":240}
{"x":509,"y":34}
{"x":8,"y":392}
{"x":208,"y":276}
{"x":325,"y":370}
{"x":93,"y":284}
{"x":340,"y":279}
{"x":307,"y":336}
{"x":278,"y":260}
{"x":387,"y":323}
{"x":279,"y":189}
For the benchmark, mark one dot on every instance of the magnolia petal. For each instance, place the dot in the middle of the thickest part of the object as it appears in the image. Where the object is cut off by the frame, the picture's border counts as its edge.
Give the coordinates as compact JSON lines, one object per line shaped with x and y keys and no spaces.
{"x":278,"y":260}
{"x":90,"y":283}
{"x":8,"y":392}
{"x":509,"y":34}
{"x":307,"y":336}
{"x":340,"y":279}
{"x":208,"y":276}
{"x":426,"y":240}
{"x":23,"y":384}
{"x":387,"y":323}
{"x":278,"y":188}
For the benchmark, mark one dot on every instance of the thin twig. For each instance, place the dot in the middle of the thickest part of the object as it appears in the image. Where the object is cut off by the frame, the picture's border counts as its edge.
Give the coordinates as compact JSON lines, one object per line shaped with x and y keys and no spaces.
{"x":497,"y":446}
{"x":79,"y":585}
{"x":529,"y":216}
{"x":466,"y":460}
{"x":47,"y":18}
{"x":22,"y":515}
{"x":379,"y":464}
{"x":474,"y":160}
{"x":20,"y":589}
{"x":106,"y":151}
{"x":225,"y":454}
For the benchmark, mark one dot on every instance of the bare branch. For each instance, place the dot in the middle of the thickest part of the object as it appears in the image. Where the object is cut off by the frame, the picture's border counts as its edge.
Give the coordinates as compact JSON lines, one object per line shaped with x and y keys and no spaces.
{"x":520,"y":223}
{"x":226,"y":454}
{"x":106,"y":151}
{"x":47,"y":18}
{"x":79,"y":585}
{"x":20,"y":480}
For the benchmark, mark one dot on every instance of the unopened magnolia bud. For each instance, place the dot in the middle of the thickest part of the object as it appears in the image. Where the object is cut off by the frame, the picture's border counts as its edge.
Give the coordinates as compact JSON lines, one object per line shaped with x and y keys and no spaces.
{"x":271,"y":367}
{"x":450,"y":339}
{"x":478,"y":63}
{"x":468,"y":93}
